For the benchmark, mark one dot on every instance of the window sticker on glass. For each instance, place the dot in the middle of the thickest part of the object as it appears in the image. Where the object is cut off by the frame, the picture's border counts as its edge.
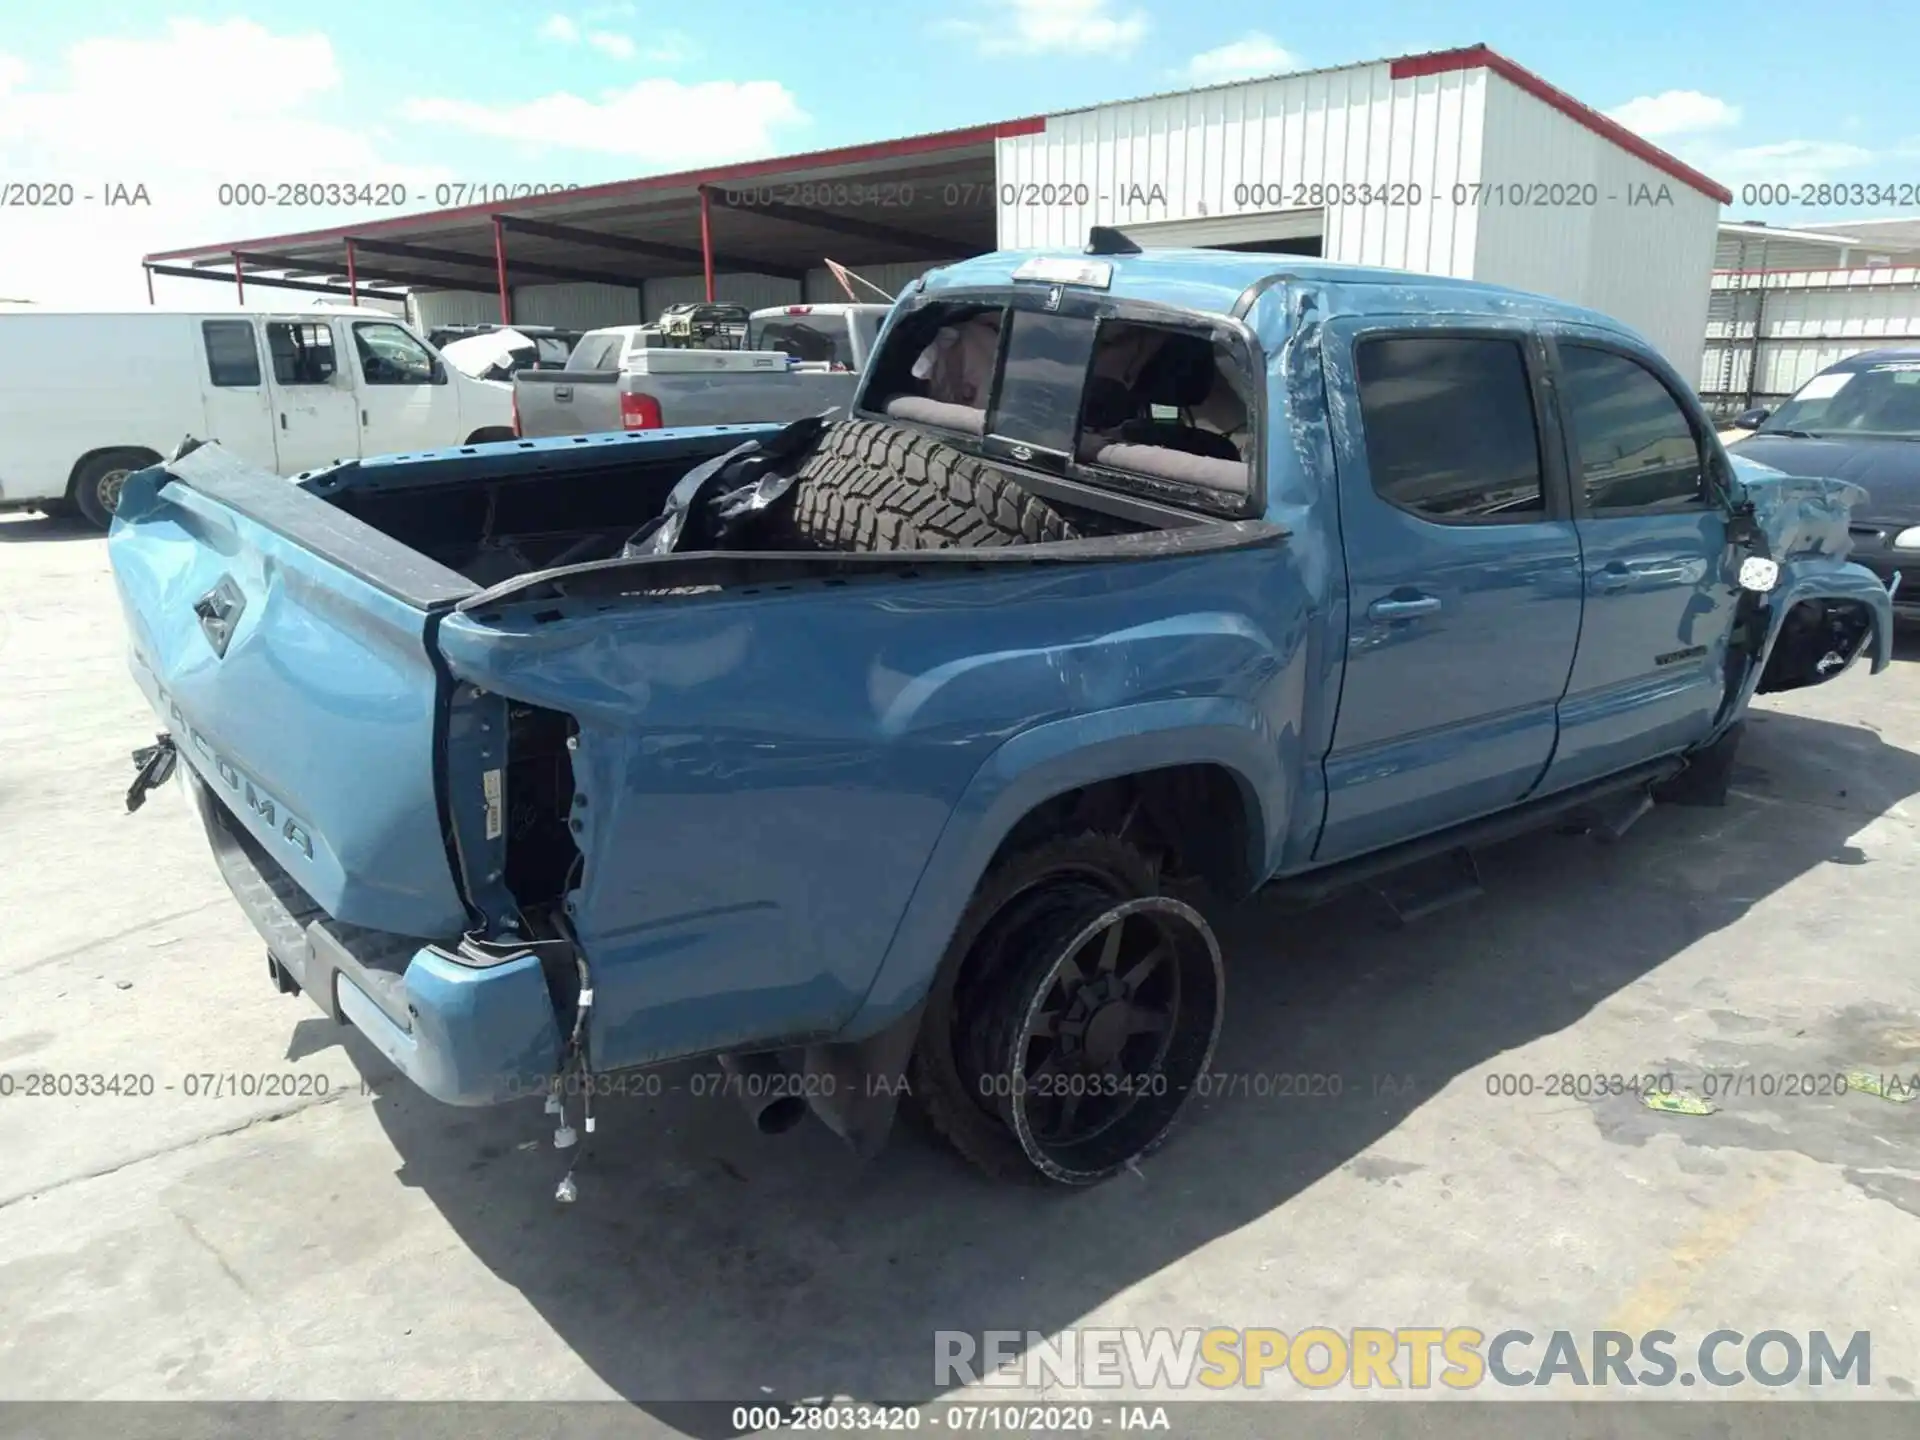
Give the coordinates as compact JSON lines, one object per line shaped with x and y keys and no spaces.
{"x":1823,"y":386}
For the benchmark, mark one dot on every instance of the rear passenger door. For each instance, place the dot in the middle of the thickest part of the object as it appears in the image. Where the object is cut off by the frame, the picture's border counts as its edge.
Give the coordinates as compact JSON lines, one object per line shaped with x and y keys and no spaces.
{"x":1463,"y":576}
{"x":1651,"y":673}
{"x":235,"y":389}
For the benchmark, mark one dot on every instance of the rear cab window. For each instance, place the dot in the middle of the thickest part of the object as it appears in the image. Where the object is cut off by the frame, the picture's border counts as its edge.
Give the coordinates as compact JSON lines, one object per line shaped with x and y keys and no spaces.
{"x":596,"y":352}
{"x":1118,"y":396}
{"x":806,"y":336}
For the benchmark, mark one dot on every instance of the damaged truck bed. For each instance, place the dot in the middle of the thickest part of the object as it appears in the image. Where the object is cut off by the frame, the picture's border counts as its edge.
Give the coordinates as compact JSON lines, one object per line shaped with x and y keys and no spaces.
{"x":886,"y":756}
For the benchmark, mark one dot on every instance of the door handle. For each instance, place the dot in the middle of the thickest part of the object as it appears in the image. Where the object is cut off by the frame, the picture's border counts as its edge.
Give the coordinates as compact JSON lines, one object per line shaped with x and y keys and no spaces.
{"x":363,"y":419}
{"x":283,"y":419}
{"x":1403,"y":609}
{"x":1616,"y":576}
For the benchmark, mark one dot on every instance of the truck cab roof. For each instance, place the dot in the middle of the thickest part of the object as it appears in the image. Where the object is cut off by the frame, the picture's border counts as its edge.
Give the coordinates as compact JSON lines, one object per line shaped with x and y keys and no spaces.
{"x":1217,"y":281}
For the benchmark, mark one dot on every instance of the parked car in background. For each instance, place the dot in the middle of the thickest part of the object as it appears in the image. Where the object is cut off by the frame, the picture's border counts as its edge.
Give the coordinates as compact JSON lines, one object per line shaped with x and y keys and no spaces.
{"x":498,"y":352}
{"x":1858,"y":420}
{"x":87,"y":398}
{"x":797,"y":360}
{"x":889,"y":748}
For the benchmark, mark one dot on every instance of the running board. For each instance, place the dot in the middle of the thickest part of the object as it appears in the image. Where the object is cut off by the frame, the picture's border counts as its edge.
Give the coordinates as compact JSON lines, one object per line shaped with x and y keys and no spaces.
{"x":1313,"y":886}
{"x":1431,"y":885}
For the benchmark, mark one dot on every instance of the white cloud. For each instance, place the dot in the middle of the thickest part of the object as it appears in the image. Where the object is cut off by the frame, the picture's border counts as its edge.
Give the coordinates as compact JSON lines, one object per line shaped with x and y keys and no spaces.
{"x":656,"y":121}
{"x":1792,"y":162}
{"x":1675,"y":112}
{"x":559,"y":27}
{"x":670,"y":47}
{"x":1042,"y":27}
{"x":609,"y":42}
{"x":241,"y":103}
{"x":1252,"y":54}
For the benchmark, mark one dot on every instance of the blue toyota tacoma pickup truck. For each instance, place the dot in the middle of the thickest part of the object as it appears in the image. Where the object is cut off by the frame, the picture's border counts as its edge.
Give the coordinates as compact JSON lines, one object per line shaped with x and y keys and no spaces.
{"x":885,"y":756}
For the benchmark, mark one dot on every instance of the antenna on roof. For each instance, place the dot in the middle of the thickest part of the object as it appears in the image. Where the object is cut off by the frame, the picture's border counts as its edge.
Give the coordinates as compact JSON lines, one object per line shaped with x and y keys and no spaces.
{"x":1105,"y":240}
{"x":848,"y":280}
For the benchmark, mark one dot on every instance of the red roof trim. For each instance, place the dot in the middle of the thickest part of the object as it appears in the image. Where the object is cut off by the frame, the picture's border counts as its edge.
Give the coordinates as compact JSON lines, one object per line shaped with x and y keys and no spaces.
{"x":743,"y":170}
{"x":1476,"y":57}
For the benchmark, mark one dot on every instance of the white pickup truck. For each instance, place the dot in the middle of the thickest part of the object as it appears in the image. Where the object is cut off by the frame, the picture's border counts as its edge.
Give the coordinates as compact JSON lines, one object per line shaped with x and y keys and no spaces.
{"x":798,"y":360}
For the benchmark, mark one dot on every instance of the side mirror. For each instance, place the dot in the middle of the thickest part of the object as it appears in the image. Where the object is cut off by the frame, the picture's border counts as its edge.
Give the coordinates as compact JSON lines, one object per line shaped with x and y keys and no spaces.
{"x":437,"y":372}
{"x":1752,"y":419}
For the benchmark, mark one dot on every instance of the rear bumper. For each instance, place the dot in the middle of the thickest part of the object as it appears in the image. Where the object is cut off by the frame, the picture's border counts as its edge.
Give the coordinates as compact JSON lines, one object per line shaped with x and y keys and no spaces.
{"x":466,"y":1034}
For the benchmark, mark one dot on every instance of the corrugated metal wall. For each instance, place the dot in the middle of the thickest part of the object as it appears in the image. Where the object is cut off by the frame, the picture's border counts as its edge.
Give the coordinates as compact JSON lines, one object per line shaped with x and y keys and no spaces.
{"x":580,"y":305}
{"x":572,"y":306}
{"x":822,"y":289}
{"x":1770,"y":252}
{"x":577,"y":305}
{"x":756,"y":292}
{"x":1804,"y":321}
{"x":1243,"y":149}
{"x":431,"y":308}
{"x":1645,"y":264}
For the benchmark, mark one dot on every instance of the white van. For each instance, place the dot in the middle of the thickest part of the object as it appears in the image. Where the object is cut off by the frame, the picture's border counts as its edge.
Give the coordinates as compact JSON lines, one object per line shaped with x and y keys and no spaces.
{"x":86,"y":398}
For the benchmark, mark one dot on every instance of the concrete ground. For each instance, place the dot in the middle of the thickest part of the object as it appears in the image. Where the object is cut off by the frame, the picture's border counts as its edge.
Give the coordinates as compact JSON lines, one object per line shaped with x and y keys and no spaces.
{"x":367,"y":1243}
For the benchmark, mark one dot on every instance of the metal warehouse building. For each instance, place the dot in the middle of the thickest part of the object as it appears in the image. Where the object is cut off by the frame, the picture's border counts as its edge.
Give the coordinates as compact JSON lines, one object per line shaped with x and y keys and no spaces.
{"x":1788,"y":303}
{"x":1455,"y":163}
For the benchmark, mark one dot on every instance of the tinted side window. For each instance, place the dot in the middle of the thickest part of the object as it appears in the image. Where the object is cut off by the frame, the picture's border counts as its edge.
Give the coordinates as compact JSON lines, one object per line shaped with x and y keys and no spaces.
{"x":1635,"y":446}
{"x":1449,"y":426}
{"x":302,"y":354}
{"x":1040,"y":382}
{"x":232,"y":356}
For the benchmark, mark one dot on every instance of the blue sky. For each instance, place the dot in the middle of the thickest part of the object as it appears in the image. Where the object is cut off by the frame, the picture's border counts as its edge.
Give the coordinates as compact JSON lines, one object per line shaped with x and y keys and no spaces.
{"x":182,"y":96}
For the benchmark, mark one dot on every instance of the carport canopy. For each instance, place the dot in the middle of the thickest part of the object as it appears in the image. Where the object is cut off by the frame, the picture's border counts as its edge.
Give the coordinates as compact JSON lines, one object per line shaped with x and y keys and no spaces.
{"x":925,"y":197}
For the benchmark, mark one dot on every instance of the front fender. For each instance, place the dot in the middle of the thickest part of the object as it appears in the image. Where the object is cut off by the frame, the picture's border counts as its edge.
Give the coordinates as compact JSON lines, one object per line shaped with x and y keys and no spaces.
{"x":1051,"y":759}
{"x":1822,"y":577}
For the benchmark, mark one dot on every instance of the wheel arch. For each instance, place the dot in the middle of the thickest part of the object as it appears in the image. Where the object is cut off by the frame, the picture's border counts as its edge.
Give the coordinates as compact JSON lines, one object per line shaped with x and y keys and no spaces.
{"x":1171,"y":755}
{"x":1819,"y":584}
{"x":73,"y":474}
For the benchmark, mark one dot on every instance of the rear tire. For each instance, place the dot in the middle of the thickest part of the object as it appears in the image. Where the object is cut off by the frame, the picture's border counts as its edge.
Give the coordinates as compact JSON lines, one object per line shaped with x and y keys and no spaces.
{"x":874,"y":487}
{"x":1012,"y":1066}
{"x":97,"y":482}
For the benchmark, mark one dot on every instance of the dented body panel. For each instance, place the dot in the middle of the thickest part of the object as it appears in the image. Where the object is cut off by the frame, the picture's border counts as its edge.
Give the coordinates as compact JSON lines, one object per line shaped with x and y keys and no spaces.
{"x":783,"y":775}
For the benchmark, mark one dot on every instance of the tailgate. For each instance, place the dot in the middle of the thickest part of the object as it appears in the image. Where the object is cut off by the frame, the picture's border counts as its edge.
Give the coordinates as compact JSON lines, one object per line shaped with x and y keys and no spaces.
{"x":288,"y":647}
{"x":567,"y":402}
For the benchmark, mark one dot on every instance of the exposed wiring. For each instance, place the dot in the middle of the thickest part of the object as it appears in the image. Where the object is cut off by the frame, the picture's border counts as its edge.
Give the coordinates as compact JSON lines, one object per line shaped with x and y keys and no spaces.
{"x":576,"y":1060}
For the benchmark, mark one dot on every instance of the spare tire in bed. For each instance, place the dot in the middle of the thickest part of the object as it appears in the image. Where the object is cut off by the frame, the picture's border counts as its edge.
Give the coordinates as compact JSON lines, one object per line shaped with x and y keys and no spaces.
{"x":871,"y":486}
